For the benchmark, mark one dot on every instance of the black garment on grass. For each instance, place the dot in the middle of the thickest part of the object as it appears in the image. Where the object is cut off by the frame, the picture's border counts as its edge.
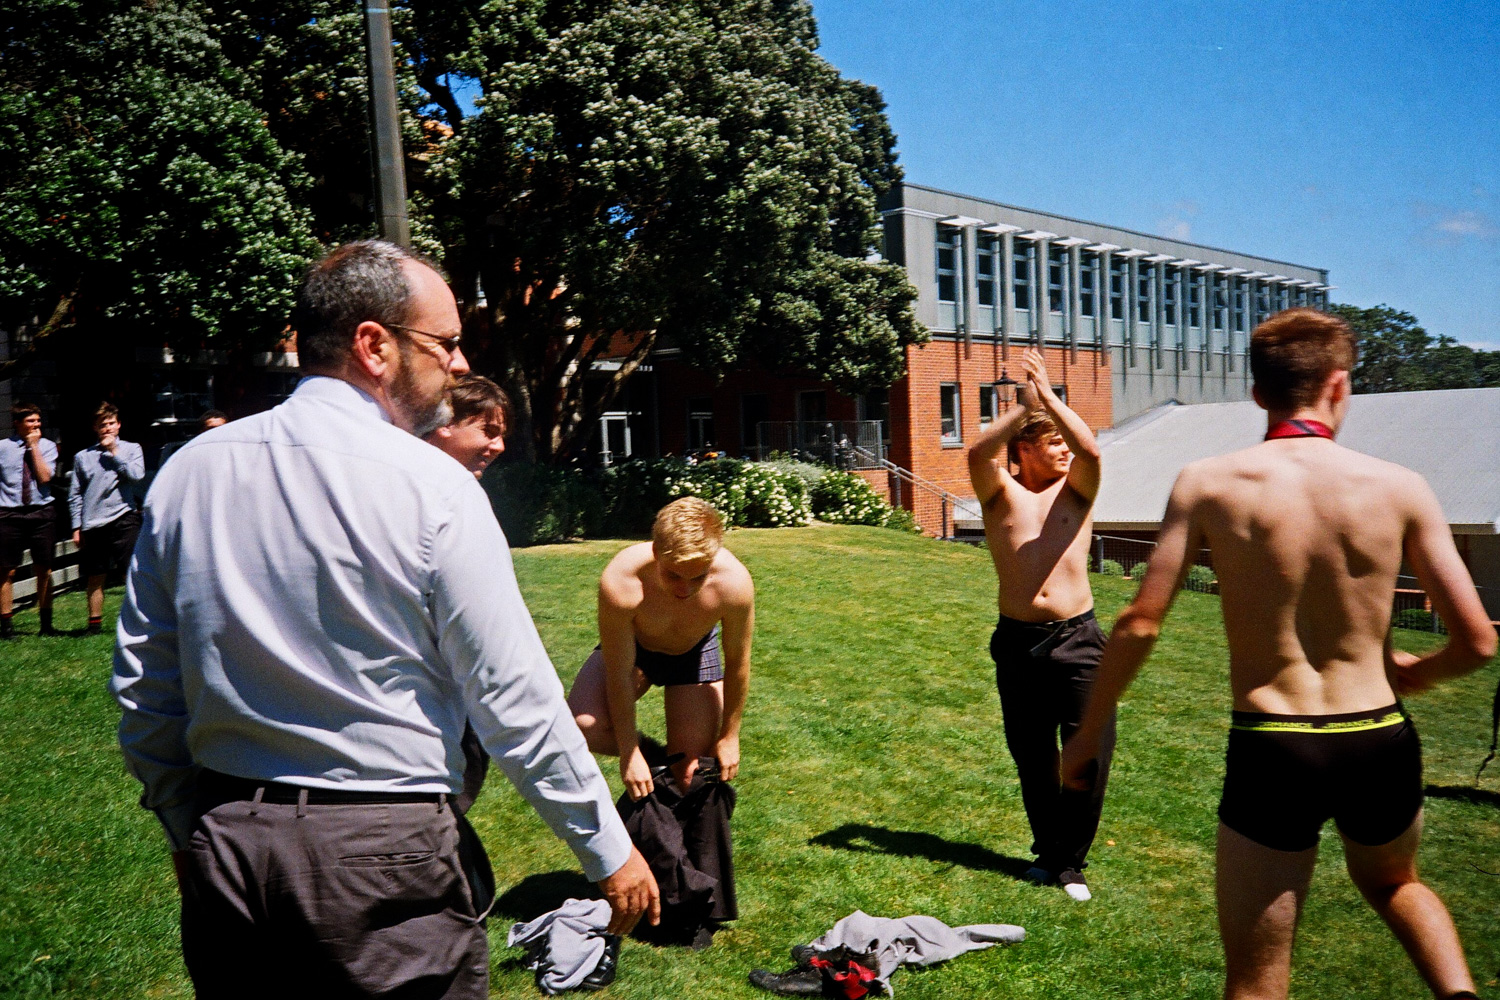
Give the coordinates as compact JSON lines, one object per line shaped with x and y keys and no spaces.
{"x":1045,"y":672}
{"x":686,"y":841}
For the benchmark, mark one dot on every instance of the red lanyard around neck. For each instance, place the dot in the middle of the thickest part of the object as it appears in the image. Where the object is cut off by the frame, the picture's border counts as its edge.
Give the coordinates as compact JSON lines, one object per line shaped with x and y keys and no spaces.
{"x":1299,"y":429}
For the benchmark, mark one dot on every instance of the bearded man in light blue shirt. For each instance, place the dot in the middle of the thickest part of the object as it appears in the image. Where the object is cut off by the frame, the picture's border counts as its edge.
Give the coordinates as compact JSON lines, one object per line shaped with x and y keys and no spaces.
{"x":317,"y":601}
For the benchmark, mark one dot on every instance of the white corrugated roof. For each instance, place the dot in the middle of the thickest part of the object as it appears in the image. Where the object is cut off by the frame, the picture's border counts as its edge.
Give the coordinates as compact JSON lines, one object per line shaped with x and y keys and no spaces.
{"x":1450,"y":436}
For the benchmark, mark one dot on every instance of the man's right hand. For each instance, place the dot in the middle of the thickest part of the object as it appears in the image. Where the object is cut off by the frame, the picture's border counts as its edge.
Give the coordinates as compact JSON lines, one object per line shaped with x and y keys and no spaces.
{"x":636,"y":774}
{"x":631,"y":892}
{"x":1026,"y":395}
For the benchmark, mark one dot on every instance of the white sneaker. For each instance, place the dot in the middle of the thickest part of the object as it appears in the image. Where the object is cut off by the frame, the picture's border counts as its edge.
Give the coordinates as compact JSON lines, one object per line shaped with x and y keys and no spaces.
{"x":1074,"y":885}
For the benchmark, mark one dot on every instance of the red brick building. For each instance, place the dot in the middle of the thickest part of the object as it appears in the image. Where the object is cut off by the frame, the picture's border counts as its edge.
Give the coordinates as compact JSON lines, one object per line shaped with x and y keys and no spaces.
{"x":1128,"y":321}
{"x":929,"y":417}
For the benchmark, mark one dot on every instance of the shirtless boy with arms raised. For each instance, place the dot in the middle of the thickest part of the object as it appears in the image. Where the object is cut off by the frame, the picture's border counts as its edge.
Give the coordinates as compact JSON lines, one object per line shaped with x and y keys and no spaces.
{"x":665,"y":606}
{"x":1047,"y":644}
{"x":1307,"y":539}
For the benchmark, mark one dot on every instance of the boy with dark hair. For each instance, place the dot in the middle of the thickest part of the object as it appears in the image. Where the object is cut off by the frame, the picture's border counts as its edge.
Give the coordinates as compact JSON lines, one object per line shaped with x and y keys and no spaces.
{"x":474,"y":437}
{"x":1046,"y":643}
{"x":27,"y":519}
{"x":104,"y":500}
{"x":481,"y":415}
{"x":1307,"y":571}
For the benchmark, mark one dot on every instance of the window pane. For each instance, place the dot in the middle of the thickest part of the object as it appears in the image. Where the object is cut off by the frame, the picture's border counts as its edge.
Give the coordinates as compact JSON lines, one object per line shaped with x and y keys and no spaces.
{"x":950,"y":416}
{"x":947,"y":264}
{"x":1021,"y":277}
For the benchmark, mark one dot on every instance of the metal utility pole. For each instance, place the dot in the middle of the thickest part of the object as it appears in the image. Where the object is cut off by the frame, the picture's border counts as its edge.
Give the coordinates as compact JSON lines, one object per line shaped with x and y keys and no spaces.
{"x":387,"y":159}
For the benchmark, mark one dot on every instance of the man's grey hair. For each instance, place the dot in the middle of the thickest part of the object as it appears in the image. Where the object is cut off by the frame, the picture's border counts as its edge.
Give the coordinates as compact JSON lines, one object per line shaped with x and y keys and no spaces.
{"x":356,"y":283}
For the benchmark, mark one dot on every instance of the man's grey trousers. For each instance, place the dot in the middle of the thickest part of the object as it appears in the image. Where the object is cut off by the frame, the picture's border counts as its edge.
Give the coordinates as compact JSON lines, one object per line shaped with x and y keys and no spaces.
{"x":330,"y":900}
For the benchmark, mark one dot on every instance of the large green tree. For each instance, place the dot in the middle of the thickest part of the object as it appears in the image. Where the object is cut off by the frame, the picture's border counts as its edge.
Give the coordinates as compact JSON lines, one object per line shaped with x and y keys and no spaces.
{"x":143,"y":201}
{"x":1397,"y":355}
{"x":688,"y":173}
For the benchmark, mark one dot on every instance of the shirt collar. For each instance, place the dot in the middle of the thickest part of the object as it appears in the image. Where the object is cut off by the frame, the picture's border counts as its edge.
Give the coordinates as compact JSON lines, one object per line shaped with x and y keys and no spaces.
{"x":345,"y":395}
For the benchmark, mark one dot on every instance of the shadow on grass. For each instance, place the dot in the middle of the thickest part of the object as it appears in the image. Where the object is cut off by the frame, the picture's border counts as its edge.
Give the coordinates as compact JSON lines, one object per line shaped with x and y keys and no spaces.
{"x":1460,"y":793}
{"x":538,"y":894}
{"x":915,"y":844}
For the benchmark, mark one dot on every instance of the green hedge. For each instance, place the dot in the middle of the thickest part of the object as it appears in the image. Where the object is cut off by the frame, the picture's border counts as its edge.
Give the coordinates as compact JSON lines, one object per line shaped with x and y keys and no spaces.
{"x":1201,"y":579}
{"x":539,"y":504}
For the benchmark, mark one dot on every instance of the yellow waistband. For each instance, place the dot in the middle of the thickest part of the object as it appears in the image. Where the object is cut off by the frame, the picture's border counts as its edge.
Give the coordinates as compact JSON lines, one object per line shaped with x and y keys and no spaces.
{"x":1348,"y":726}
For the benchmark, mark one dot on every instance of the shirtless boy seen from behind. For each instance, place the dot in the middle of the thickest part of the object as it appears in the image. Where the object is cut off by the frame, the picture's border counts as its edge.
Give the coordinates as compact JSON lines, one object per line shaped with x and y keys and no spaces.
{"x":665,"y":608}
{"x":1047,"y":644}
{"x":1307,"y":539}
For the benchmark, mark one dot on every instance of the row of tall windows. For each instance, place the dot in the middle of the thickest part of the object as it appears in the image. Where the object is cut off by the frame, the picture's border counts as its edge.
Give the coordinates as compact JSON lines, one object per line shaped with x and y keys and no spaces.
{"x":1177,"y":298}
{"x":951,"y":411}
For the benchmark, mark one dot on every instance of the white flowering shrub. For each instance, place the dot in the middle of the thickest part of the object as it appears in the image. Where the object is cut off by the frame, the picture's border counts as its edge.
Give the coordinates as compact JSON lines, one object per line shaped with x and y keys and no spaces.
{"x":747,"y":494}
{"x":773,"y":499}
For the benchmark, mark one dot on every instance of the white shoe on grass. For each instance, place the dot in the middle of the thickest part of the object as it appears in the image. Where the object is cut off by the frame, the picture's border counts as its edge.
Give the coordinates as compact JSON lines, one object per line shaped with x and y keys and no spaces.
{"x":1074,"y":885}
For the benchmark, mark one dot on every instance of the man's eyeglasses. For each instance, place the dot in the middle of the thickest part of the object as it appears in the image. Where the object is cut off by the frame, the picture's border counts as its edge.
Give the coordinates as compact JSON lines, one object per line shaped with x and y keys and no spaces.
{"x":449,"y":344}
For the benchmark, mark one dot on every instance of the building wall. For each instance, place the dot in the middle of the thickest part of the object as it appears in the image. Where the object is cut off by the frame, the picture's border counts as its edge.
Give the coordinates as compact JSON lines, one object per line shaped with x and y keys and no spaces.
{"x":1199,"y":378}
{"x":677,"y":385}
{"x":1482,"y":555}
{"x":1164,"y":286}
{"x":916,"y":409}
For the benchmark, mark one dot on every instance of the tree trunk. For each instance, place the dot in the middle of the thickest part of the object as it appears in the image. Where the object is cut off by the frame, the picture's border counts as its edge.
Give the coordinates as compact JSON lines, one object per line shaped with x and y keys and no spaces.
{"x":61,"y":319}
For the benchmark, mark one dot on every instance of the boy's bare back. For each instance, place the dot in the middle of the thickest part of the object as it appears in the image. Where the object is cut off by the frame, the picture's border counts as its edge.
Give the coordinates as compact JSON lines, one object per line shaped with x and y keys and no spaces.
{"x":1307,"y":540}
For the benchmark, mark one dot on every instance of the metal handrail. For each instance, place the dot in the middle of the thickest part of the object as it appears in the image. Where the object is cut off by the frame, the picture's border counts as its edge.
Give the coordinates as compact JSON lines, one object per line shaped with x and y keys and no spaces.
{"x":946,"y":497}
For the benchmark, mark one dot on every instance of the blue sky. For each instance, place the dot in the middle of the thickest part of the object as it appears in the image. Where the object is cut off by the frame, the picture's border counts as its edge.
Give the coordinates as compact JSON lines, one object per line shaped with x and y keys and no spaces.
{"x":1364,"y":138}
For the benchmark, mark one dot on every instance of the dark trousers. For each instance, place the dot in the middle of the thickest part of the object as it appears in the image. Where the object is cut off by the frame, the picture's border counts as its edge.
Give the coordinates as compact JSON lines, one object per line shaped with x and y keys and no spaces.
{"x":1045,"y":673}
{"x":330,"y":901}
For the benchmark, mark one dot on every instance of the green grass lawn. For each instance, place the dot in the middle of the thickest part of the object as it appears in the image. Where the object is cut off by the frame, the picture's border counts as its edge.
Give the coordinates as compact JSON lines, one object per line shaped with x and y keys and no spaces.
{"x":875,"y":776}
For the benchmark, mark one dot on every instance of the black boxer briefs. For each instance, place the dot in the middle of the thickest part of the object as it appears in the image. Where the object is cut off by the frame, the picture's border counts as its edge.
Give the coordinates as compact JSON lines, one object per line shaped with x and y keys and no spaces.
{"x":699,"y":665}
{"x":1286,"y":775}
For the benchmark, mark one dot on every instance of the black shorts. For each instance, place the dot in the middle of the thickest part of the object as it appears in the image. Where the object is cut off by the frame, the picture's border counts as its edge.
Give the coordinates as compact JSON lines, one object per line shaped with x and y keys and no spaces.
{"x":108,"y":546}
{"x":1286,"y":775}
{"x":699,"y":665}
{"x":23,"y":528}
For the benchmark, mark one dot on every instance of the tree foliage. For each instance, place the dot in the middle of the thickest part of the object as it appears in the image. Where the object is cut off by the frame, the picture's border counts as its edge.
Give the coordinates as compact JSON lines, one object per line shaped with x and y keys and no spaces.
{"x":1397,"y":355}
{"x":142,"y":198}
{"x":687,"y":173}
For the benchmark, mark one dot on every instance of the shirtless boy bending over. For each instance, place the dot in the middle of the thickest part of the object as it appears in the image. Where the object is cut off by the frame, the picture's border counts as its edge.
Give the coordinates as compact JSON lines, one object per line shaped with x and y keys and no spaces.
{"x":1307,"y":539}
{"x":665,"y":607}
{"x":1047,"y":644}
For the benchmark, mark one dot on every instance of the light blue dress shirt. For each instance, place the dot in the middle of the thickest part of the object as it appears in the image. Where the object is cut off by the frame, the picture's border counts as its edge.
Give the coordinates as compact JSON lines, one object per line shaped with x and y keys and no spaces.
{"x":317,"y":597}
{"x":104,"y":486}
{"x":12,"y":454}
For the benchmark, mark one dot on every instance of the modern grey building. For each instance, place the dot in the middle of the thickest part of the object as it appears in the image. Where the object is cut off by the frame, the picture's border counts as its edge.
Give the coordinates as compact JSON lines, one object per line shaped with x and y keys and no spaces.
{"x":1174,"y":317}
